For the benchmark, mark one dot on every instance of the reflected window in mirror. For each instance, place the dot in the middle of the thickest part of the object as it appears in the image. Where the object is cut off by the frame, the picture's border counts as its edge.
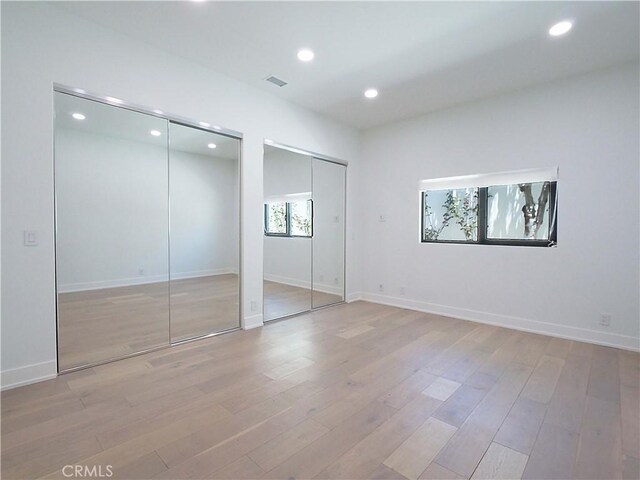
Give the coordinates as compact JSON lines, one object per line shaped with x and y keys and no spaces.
{"x":289,"y":219}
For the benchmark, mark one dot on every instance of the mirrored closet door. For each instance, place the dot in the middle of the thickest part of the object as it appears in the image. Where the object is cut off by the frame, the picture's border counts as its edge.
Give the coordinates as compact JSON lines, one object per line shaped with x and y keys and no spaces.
{"x":204,"y":212}
{"x":147,"y":222}
{"x":287,"y":233}
{"x":112,"y":248}
{"x":304,"y":232}
{"x":329,"y":184}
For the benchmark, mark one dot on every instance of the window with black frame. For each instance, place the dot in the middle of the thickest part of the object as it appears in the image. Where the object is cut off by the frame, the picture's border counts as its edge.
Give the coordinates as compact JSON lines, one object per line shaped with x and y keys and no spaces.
{"x":502,"y":214}
{"x":288,"y":219}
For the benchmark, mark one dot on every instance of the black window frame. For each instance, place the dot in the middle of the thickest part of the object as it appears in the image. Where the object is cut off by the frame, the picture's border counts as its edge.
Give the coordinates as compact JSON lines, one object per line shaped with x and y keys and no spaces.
{"x":483,"y":208}
{"x":288,"y":233}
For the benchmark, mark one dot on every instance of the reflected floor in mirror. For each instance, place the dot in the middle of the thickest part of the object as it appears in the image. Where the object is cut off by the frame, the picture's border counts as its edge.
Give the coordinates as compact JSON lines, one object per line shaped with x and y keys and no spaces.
{"x":98,"y":325}
{"x":281,"y":299}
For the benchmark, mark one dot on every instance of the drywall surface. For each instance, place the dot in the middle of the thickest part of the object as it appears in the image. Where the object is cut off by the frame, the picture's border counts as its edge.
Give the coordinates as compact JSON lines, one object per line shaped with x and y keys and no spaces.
{"x":42,"y":45}
{"x":588,"y":126}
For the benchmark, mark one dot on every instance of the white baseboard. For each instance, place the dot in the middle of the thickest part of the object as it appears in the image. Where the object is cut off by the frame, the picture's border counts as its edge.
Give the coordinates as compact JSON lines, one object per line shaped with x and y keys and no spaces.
{"x":141,"y":280}
{"x":17,"y":377}
{"x":295,"y":282}
{"x":354,"y":297}
{"x":534,"y":326}
{"x":254,"y":321}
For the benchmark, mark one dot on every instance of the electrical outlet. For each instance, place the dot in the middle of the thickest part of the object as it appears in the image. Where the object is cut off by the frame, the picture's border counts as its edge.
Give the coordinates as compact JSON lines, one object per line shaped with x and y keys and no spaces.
{"x":402,"y":292}
{"x":30,"y":238}
{"x":381,"y":288}
{"x":382,"y":218}
{"x":254,"y":305}
{"x":605,"y":319}
{"x":335,"y":281}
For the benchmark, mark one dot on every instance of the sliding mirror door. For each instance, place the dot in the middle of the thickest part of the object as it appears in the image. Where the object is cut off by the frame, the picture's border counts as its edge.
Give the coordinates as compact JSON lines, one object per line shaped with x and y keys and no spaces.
{"x":204,"y":199}
{"x":111,"y":175}
{"x":329,"y":234}
{"x":288,"y":228}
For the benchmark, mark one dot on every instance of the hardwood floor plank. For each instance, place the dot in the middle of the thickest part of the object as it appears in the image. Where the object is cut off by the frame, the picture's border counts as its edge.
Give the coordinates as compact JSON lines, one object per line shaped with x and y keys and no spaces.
{"x":630,"y":416}
{"x":604,"y":379}
{"x":361,"y":460}
{"x":438,"y":472}
{"x":243,"y":468}
{"x":418,"y":451}
{"x":312,"y":459}
{"x":441,"y":389}
{"x":274,"y":452}
{"x":553,"y":454}
{"x":501,"y":462}
{"x":567,"y":404}
{"x":599,"y":445}
{"x":543,"y":380}
{"x":457,"y":408}
{"x":520,"y":429}
{"x":465,"y":450}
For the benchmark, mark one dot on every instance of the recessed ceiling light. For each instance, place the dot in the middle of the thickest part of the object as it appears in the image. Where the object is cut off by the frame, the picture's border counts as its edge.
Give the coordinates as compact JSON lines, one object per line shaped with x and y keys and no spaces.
{"x":79,"y":90}
{"x":371,"y":93}
{"x":159,"y":112}
{"x":204,"y":124}
{"x":113,"y":100}
{"x":212,"y":145}
{"x":305,"y":55}
{"x":216,"y":127}
{"x":78,"y":116}
{"x":560,"y":28}
{"x":155,"y":133}
{"x":269,"y":141}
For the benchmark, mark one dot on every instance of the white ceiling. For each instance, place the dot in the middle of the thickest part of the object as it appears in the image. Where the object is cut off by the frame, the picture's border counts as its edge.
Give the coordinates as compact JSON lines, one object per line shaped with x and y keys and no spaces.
{"x":422,"y":56}
{"x":111,"y":121}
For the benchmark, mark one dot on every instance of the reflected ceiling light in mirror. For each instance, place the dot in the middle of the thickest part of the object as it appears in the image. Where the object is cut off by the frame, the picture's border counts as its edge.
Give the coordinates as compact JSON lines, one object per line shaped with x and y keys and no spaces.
{"x":371,"y":93}
{"x":212,"y":145}
{"x":155,"y":133}
{"x":78,"y":116}
{"x":305,"y":55}
{"x":560,"y":28}
{"x":113,"y":100}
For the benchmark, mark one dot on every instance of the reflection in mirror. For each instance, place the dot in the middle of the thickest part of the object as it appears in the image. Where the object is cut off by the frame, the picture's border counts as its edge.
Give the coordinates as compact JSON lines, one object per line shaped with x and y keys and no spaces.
{"x":328,"y":239}
{"x":111,"y":231}
{"x":287,"y":228}
{"x":204,"y":199}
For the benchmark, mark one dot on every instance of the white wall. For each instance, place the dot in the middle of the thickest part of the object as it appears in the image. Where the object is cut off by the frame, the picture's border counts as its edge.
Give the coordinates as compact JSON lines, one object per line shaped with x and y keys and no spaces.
{"x":42,"y":45}
{"x":589,"y":127}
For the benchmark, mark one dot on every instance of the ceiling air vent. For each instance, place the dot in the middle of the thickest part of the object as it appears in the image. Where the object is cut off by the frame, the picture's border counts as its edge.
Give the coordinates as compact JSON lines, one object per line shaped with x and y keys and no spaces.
{"x":276,"y":81}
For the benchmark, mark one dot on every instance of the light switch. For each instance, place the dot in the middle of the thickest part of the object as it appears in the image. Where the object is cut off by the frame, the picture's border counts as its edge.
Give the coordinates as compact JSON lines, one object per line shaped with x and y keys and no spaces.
{"x":30,"y":238}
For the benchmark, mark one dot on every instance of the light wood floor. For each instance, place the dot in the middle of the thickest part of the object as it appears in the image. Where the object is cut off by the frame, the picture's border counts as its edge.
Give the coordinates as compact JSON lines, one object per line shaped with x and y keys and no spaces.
{"x":354,"y":391}
{"x":99,"y":325}
{"x":281,"y":300}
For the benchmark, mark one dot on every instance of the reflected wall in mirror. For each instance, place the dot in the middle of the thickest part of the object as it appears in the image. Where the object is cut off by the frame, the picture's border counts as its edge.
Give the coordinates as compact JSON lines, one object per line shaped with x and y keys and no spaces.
{"x":329,"y":227}
{"x":287,"y":233}
{"x":204,"y":205}
{"x":111,"y":175}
